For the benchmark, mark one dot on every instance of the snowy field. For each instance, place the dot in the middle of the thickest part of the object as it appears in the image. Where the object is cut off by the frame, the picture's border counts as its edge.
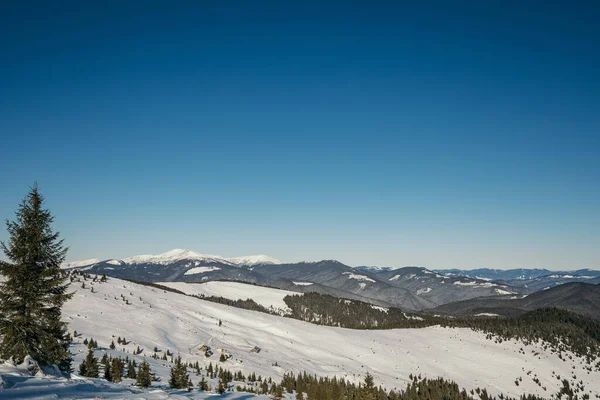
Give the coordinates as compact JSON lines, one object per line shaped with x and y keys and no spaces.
{"x":266,"y":297}
{"x":179,"y":323}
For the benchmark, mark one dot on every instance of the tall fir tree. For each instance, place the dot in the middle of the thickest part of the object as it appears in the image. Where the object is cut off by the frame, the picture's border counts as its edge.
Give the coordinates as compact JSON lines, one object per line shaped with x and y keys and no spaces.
{"x":35,"y":288}
{"x":144,"y":379}
{"x":179,"y":377}
{"x":89,"y":366}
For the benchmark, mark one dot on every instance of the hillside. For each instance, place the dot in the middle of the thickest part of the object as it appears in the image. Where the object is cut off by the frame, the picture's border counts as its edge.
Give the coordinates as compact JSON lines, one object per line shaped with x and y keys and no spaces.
{"x":583,"y":298}
{"x":180,"y":323}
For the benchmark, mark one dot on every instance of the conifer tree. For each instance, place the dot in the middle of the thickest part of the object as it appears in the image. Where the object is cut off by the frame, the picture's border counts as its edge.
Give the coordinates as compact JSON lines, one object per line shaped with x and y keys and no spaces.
{"x":107,"y":372}
{"x":34,"y":288}
{"x":179,"y":377}
{"x":89,"y":366}
{"x":144,"y":378}
{"x":131,"y":370}
{"x":202,"y":385}
{"x":116,"y":370}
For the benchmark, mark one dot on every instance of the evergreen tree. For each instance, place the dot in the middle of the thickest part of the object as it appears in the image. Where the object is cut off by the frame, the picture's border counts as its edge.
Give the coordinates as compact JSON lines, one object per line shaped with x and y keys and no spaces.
{"x":112,"y":345}
{"x":89,"y":366}
{"x":131,"y":370}
{"x":116,"y":370}
{"x":34,"y":288}
{"x":144,"y":378}
{"x":179,"y":377}
{"x":202,"y":385}
{"x":107,"y":372}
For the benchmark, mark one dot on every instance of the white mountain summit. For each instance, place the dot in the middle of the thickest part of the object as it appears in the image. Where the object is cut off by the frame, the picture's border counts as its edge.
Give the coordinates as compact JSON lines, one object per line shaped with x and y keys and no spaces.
{"x":176,"y":255}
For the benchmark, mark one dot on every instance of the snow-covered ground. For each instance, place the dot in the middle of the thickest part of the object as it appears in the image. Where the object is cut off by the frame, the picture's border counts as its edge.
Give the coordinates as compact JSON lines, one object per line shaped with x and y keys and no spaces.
{"x":180,"y":323}
{"x":267,"y":297}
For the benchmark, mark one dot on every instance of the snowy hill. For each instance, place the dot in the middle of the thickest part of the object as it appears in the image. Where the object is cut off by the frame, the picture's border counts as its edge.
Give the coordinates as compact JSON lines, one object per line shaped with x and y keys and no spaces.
{"x":149,"y":316}
{"x":181,"y":324}
{"x":269,"y":298}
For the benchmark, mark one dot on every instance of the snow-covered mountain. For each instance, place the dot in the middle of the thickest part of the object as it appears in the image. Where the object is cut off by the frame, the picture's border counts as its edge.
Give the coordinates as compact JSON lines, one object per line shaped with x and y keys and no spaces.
{"x":81,"y":263}
{"x":441,"y":289}
{"x":410,"y":288}
{"x":150,"y":317}
{"x":176,"y":255}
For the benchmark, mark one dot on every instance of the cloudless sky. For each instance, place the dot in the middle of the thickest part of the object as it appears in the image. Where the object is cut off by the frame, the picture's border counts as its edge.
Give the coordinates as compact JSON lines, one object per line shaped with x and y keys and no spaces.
{"x":444,"y":134}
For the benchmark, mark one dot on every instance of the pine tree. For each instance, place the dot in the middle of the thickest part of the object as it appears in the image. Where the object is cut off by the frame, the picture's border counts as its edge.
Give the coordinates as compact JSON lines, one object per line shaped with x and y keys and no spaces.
{"x":131,"y":370}
{"x":89,"y":366}
{"x":202,"y":385}
{"x":144,"y":378}
{"x":34,"y":288}
{"x":116,"y":370}
{"x":179,"y":377}
{"x":112,"y":345}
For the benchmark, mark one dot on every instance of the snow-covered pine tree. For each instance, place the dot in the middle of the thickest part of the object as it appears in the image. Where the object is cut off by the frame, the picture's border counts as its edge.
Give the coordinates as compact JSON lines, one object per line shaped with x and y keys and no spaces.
{"x":35,"y":288}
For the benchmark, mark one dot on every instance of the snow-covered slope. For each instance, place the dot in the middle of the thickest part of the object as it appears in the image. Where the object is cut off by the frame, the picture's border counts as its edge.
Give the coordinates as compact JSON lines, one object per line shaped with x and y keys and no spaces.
{"x":269,"y":298}
{"x":81,"y":263}
{"x":175,"y":255}
{"x":181,"y":323}
{"x":172,"y":256}
{"x":253,"y":260}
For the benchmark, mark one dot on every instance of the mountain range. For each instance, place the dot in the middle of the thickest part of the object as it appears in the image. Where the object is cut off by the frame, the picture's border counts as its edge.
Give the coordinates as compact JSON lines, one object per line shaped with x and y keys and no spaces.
{"x":409,"y":288}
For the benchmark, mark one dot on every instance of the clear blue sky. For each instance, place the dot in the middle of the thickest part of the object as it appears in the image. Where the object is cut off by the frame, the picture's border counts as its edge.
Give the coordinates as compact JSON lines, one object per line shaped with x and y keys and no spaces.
{"x":446,"y":136}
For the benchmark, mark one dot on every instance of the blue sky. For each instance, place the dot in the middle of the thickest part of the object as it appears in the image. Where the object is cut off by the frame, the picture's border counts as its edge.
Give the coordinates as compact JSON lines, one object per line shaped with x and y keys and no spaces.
{"x":460,"y":136}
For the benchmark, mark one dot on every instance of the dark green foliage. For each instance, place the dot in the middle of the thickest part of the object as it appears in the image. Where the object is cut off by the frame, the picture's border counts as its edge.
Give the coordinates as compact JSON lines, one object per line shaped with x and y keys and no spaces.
{"x":89,"y":366}
{"x":202,"y":385}
{"x":144,"y":379}
{"x":112,"y":345}
{"x":131,"y":374}
{"x":108,"y":371}
{"x":179,"y":377}
{"x":247,"y":304}
{"x":117,"y":367}
{"x":221,"y":388}
{"x":317,"y":388}
{"x":35,"y":288}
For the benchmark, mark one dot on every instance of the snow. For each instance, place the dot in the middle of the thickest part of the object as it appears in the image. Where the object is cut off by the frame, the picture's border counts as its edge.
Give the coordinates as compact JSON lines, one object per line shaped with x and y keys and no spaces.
{"x":384,"y":309}
{"x":423,"y":291}
{"x":172,"y":256}
{"x":181,"y":323}
{"x":201,"y":270}
{"x":176,"y":255}
{"x":358,"y":277}
{"x":254,"y":260}
{"x":485,"y":314}
{"x":500,"y":291}
{"x":302,"y":283}
{"x":81,"y":263}
{"x":265,"y":296}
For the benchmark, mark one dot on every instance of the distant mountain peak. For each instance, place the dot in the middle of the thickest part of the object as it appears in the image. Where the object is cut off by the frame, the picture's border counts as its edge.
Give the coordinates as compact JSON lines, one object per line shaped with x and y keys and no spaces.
{"x":81,"y":263}
{"x":254,"y":260}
